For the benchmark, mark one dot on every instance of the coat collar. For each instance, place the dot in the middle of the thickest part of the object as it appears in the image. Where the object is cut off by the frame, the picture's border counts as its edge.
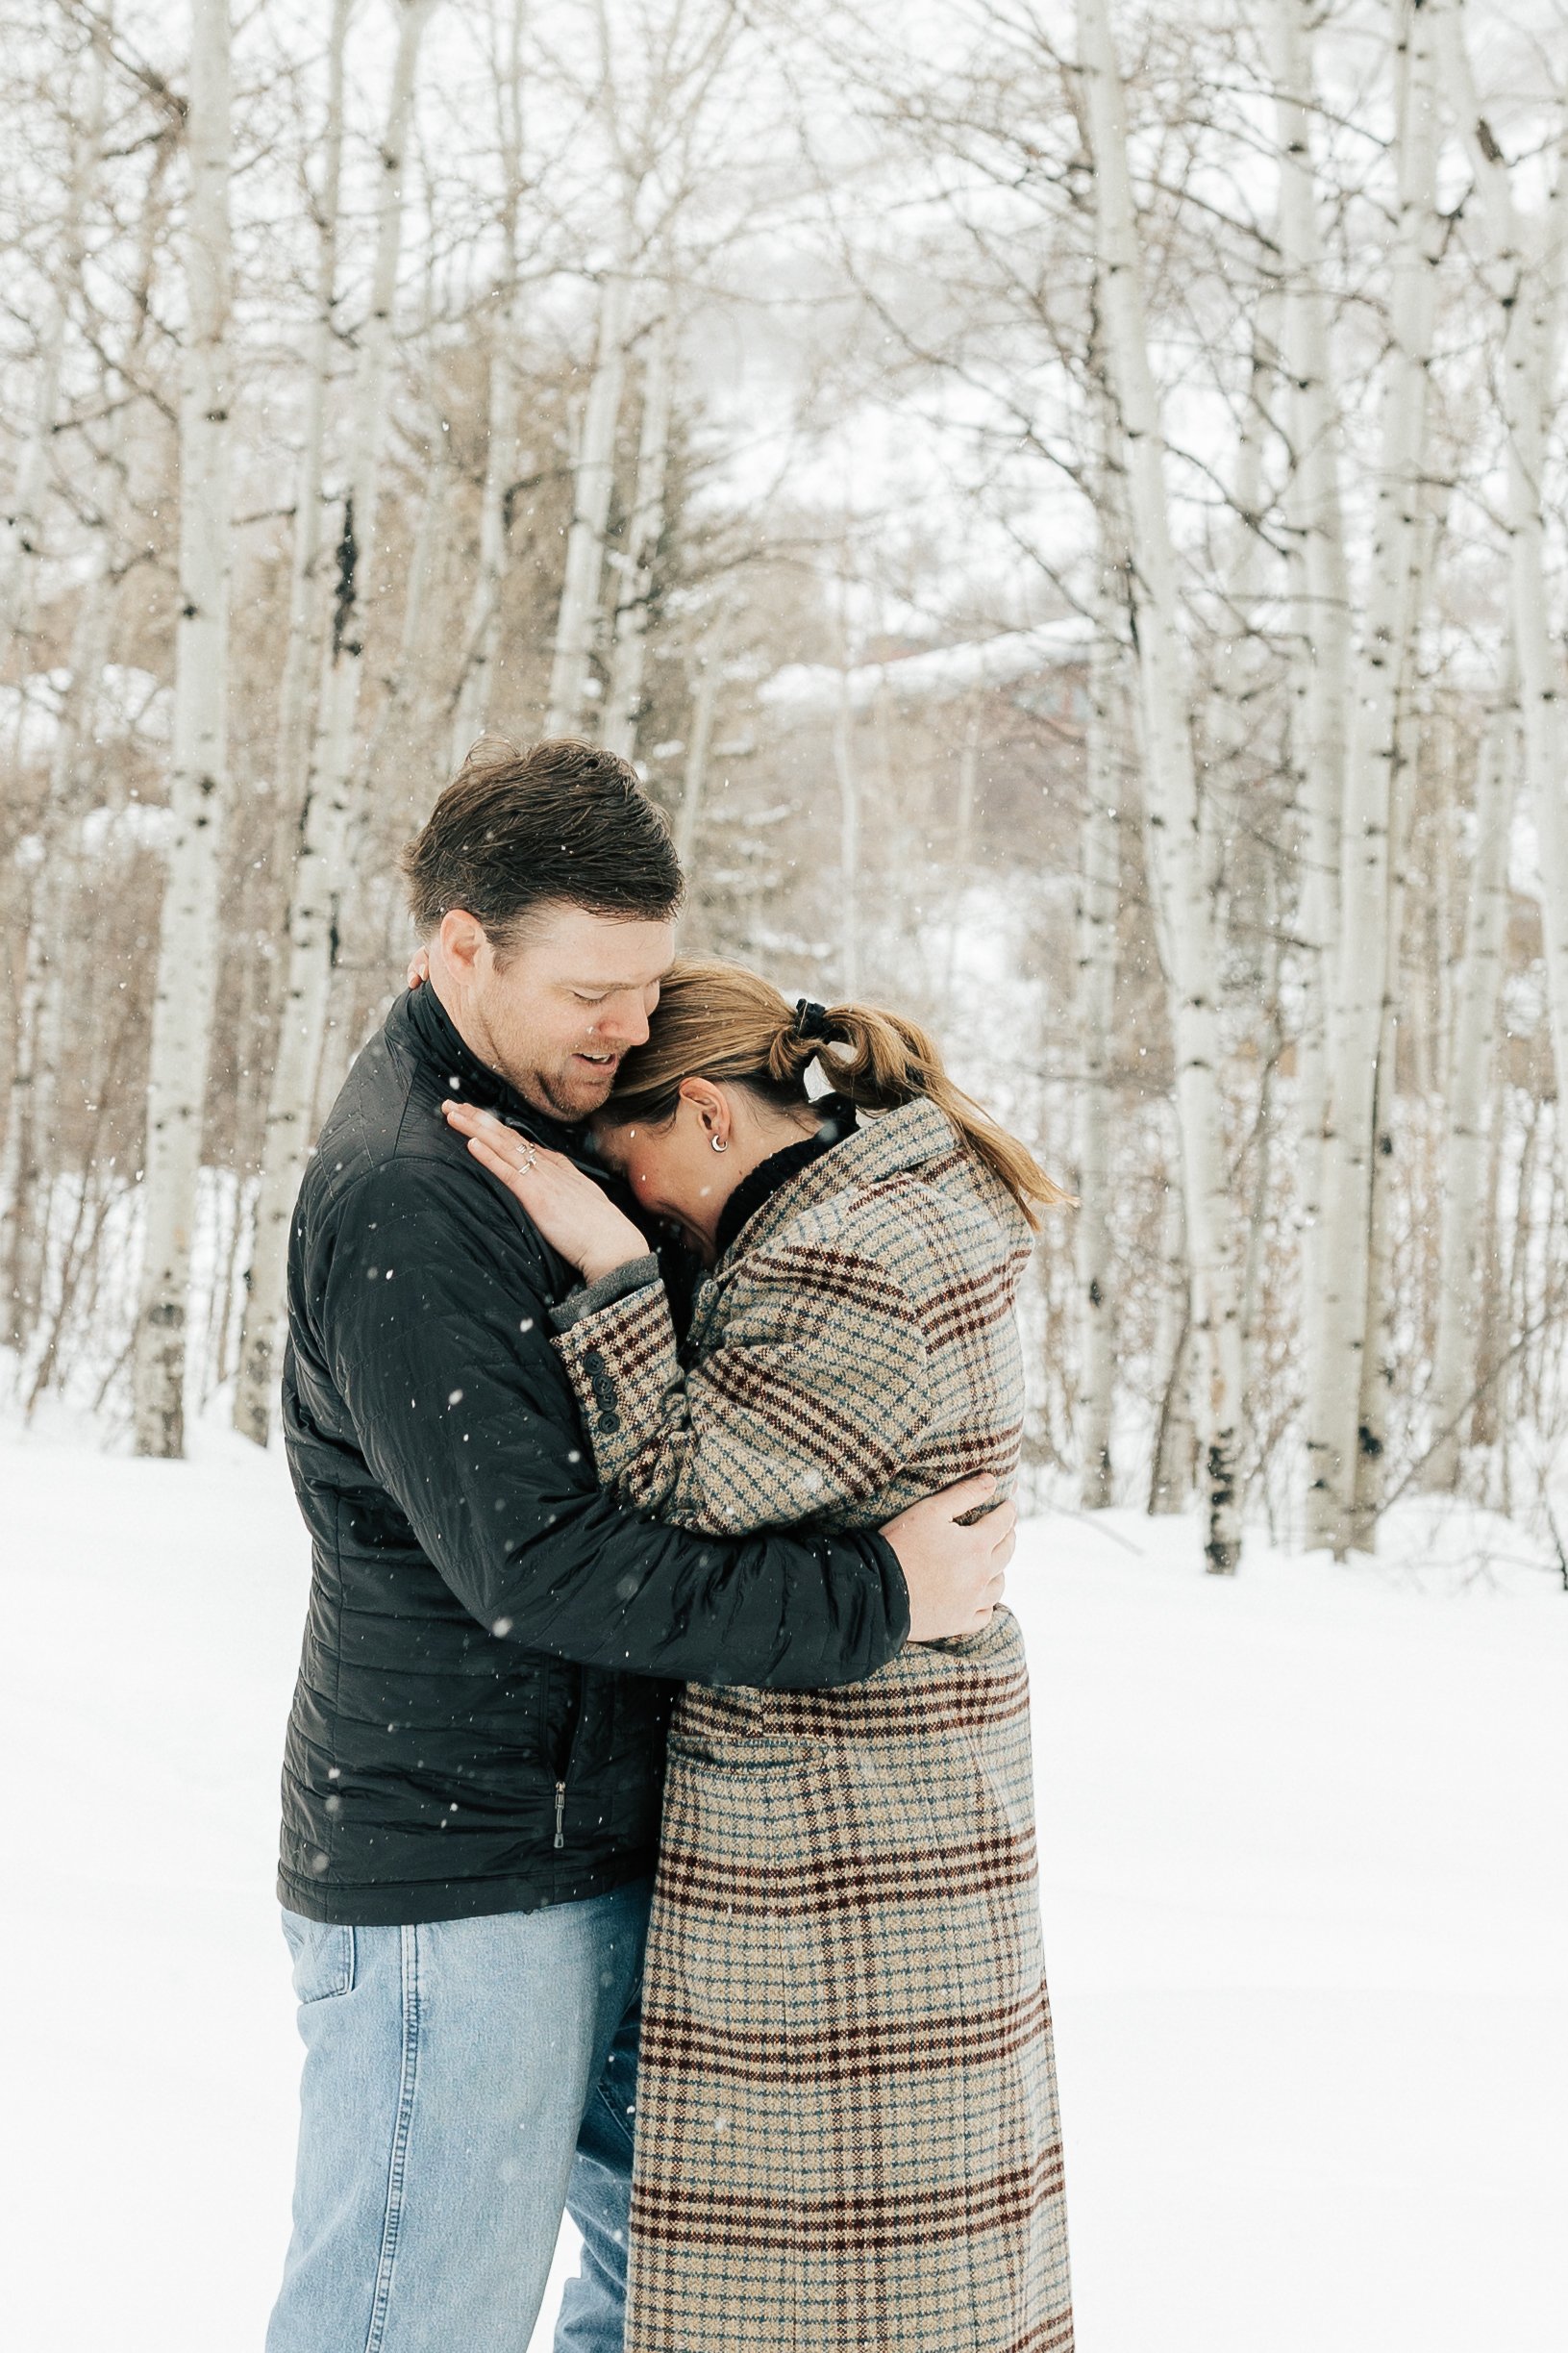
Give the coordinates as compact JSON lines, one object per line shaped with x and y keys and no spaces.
{"x":435,"y":1038}
{"x":835,"y":1119}
{"x":912,"y":1137}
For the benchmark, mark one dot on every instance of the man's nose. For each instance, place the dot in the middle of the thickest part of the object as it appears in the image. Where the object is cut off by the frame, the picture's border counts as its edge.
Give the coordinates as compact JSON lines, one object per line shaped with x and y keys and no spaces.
{"x":624,"y":1025}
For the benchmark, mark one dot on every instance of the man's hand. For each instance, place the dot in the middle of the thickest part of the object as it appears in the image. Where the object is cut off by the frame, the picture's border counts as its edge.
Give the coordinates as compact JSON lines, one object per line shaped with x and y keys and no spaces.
{"x":955,"y":1575}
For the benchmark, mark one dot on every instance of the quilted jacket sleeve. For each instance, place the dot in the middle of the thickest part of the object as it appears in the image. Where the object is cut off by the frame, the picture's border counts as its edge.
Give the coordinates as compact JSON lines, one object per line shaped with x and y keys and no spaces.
{"x":809,"y":1399}
{"x":430,"y":1312}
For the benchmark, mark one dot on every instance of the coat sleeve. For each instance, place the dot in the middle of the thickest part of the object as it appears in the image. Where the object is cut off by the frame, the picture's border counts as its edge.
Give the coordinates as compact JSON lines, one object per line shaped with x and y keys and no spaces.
{"x":432,"y":1322}
{"x":811,"y":1399}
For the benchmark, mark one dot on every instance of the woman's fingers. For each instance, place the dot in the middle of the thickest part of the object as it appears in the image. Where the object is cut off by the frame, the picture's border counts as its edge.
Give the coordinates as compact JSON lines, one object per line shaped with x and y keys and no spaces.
{"x":513,"y":1173}
{"x":484,"y":1127}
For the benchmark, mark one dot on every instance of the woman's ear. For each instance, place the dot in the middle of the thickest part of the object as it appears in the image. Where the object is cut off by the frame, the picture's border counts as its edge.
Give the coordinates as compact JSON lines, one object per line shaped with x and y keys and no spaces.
{"x":712,"y":1107}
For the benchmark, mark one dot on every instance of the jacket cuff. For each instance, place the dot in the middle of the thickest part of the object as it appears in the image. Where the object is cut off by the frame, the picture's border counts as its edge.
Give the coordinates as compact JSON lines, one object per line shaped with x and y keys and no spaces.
{"x":621,"y":1359}
{"x":589,"y":1297}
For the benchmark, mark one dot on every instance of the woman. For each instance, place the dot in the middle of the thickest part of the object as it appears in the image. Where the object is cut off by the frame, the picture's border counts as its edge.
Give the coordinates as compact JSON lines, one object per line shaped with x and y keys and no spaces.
{"x":847,"y":2131}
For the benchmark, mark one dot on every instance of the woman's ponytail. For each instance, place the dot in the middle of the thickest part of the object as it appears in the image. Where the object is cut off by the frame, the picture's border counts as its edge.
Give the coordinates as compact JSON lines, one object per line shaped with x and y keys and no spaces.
{"x":719,"y":1021}
{"x":878,"y":1060}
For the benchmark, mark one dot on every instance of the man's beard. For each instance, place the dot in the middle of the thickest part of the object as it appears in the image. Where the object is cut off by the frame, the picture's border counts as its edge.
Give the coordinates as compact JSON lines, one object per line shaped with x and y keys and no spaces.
{"x":567,"y":1097}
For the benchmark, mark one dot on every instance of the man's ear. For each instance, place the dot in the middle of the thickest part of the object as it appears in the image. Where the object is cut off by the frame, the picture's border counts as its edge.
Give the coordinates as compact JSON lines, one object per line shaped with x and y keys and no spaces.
{"x":463,"y":937}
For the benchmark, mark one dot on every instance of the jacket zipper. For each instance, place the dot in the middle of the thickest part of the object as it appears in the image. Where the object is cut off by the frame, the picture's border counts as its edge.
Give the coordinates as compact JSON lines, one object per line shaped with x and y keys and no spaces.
{"x":563,"y":1766}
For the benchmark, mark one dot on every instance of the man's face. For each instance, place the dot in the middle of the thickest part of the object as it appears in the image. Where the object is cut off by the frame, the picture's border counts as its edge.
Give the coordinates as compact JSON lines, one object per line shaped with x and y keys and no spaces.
{"x":557,"y":1015}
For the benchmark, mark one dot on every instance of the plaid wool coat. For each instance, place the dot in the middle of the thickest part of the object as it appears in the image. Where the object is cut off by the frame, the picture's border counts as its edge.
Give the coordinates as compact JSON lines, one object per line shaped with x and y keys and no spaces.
{"x":847,"y":2125}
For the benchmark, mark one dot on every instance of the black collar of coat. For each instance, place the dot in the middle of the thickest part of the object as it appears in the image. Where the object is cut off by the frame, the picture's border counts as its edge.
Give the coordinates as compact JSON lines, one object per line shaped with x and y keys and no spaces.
{"x":835,"y":1119}
{"x":461,"y":1073}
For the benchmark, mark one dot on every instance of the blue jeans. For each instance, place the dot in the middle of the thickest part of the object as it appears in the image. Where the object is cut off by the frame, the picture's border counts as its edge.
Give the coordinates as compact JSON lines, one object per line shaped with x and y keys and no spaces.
{"x":465,"y":2081}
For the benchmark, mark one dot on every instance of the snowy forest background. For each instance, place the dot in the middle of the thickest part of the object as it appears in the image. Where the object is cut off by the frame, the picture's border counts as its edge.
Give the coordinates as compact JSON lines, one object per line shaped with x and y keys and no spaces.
{"x":1067,"y":511}
{"x":1064,"y":503}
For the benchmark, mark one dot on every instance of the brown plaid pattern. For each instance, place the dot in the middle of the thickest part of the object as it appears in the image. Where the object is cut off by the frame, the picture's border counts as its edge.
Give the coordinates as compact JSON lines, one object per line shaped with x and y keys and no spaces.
{"x":847,"y":2126}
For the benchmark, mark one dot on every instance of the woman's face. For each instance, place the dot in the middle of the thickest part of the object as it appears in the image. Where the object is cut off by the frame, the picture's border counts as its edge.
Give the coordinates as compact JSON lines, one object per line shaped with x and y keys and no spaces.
{"x":673,"y":1169}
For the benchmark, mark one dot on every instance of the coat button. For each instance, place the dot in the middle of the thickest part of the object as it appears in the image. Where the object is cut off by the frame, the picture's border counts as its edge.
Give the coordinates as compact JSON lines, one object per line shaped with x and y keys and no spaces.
{"x":609,"y":1423}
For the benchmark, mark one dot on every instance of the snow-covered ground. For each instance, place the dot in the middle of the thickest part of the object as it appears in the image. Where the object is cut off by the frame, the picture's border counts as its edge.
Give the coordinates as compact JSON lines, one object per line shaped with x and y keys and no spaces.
{"x":1304,"y":1847}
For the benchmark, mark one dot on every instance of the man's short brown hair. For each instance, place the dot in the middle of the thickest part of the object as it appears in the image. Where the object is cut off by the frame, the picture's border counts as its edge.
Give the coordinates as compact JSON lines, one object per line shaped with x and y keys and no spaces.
{"x":559,"y":824}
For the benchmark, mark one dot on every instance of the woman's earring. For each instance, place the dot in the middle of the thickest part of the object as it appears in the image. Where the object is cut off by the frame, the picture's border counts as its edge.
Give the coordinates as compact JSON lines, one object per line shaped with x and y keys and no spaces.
{"x":719,"y":1143}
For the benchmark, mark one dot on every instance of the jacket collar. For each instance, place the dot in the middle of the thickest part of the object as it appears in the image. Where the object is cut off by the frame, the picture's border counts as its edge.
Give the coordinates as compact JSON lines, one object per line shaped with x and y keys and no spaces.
{"x":835,"y":1119}
{"x":436,"y":1038}
{"x":914,"y":1136}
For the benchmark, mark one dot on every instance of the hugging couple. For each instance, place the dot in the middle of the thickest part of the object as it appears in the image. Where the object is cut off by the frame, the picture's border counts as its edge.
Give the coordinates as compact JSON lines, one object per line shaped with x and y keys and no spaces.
{"x":591,"y":1543}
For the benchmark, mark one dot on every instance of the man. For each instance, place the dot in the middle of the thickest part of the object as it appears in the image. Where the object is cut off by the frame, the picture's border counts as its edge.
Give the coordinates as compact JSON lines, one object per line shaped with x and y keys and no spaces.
{"x":474,"y":1756}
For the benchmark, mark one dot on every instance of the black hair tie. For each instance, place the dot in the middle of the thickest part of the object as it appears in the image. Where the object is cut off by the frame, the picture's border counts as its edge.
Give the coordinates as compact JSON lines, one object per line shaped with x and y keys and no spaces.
{"x":810,"y":1020}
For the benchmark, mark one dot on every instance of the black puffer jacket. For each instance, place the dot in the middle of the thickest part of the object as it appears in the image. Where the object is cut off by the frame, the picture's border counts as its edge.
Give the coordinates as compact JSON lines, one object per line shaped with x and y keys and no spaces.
{"x":479,"y":1720}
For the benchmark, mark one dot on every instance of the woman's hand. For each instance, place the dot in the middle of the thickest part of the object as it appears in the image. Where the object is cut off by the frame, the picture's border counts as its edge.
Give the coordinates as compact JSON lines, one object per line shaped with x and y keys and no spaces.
{"x":575,"y":1216}
{"x":418,"y":971}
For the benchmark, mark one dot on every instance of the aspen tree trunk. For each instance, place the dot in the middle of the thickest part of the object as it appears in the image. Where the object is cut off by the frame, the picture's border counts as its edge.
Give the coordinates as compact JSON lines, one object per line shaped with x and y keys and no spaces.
{"x":406,"y":685}
{"x":623,"y":704}
{"x":324,"y":835}
{"x":186,"y":982}
{"x":21,"y":524}
{"x":1378,"y":1338}
{"x":1338,"y":1336}
{"x":301,"y":654}
{"x":577,"y":625}
{"x":1098,"y":896}
{"x":1176,"y":1441}
{"x":1321,"y":633}
{"x":475,"y":714}
{"x":1174,"y":845}
{"x":1231,"y":723}
{"x":483,"y":657}
{"x":1466,"y":1099}
{"x":1527,"y":284}
{"x":700,"y":741}
{"x":363,"y":977}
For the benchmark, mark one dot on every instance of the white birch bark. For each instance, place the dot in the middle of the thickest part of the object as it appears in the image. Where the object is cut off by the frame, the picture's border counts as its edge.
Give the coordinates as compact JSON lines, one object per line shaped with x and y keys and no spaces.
{"x":1230,"y":723}
{"x":364,"y":976}
{"x":407,"y":684}
{"x":1321,"y":627}
{"x":705,"y":701}
{"x":182,"y":1022}
{"x":1478,"y":994}
{"x":1176,"y":1443}
{"x":321,"y":863}
{"x":291,"y":758}
{"x":1355,"y":1015}
{"x":1170,"y":783}
{"x":1098,"y":897}
{"x":1380,"y":1339}
{"x":628,"y":660}
{"x":1523,"y":267}
{"x":481,"y":657}
{"x":578,"y":622}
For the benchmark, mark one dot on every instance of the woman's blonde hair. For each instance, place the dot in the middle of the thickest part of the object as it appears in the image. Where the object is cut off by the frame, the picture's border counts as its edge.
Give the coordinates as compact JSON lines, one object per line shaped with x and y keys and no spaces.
{"x":719,"y":1021}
